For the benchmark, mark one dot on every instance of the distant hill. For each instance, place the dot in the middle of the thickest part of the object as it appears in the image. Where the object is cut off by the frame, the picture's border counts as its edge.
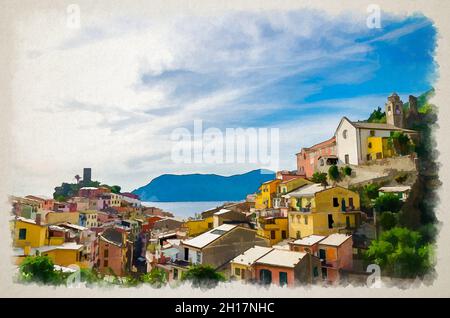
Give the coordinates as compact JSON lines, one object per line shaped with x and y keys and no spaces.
{"x":203,"y":187}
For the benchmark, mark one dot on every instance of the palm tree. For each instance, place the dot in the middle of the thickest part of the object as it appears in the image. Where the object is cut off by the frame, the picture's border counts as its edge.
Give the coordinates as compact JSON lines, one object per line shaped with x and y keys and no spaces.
{"x":77,"y":177}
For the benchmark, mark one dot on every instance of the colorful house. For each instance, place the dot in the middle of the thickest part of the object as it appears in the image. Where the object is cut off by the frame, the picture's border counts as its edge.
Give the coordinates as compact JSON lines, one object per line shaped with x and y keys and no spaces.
{"x":196,"y":227}
{"x":308,"y":244}
{"x":274,"y":229}
{"x":264,"y":197}
{"x":287,"y":268}
{"x":285,"y":187}
{"x":242,"y":266}
{"x":115,"y":252}
{"x":219,"y":245}
{"x":319,"y":210}
{"x":61,"y":217}
{"x":88,"y":218}
{"x":308,"y":158}
{"x":45,"y":202}
{"x":336,"y":254}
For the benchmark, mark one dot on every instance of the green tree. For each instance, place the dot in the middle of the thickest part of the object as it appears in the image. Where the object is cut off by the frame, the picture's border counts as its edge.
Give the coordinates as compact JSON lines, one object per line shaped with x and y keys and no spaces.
{"x":377,"y":116}
{"x":40,"y":269}
{"x":388,"y":220}
{"x":371,"y":190}
{"x":401,"y":143}
{"x":203,"y":276}
{"x":320,"y":177}
{"x":388,"y":202}
{"x":115,"y":189}
{"x":333,"y":173}
{"x":156,"y":277}
{"x":347,"y":171}
{"x":401,"y":252}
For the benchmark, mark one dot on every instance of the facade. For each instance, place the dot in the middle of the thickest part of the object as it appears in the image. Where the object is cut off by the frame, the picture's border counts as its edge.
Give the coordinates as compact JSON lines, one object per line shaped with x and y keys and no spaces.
{"x":336,"y":254}
{"x":220,"y":245}
{"x":308,"y":244}
{"x":308,"y":158}
{"x":115,"y":252}
{"x":61,"y":217}
{"x":242,"y":266}
{"x":360,"y":142}
{"x":285,"y":187}
{"x":88,"y":218}
{"x":287,"y":268}
{"x":264,"y":197}
{"x":196,"y":227}
{"x":45,"y":203}
{"x":322,"y":211}
{"x":274,"y":229}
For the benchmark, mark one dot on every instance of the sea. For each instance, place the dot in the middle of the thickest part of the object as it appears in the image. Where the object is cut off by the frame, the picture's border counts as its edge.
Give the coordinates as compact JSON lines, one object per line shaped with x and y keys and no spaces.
{"x":183,"y":210}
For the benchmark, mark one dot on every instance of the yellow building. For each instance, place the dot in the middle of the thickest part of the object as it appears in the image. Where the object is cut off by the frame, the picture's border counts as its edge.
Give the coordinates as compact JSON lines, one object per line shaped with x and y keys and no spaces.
{"x":287,"y":186}
{"x":378,"y":148}
{"x":322,"y":211}
{"x":28,"y":233}
{"x":62,"y":217}
{"x":274,"y":229}
{"x":32,"y":238}
{"x":88,"y":218}
{"x":264,"y":197}
{"x":196,"y":227}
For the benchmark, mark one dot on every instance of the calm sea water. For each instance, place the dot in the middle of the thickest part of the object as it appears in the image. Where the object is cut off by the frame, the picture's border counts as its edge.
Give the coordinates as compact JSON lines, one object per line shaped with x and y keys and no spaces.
{"x":184,"y":210}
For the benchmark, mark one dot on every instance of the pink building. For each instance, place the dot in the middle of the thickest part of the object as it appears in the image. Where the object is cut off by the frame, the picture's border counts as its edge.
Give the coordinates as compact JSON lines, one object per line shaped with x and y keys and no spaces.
{"x":308,"y":158}
{"x":115,"y":252}
{"x":336,"y":254}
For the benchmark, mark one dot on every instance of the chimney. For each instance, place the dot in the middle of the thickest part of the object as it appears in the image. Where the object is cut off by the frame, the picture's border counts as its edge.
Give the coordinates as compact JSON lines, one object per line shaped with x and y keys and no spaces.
{"x":38,"y":219}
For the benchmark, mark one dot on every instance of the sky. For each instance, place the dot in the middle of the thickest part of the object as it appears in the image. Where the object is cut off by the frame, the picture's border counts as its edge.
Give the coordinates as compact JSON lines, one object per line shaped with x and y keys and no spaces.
{"x":109,"y":94}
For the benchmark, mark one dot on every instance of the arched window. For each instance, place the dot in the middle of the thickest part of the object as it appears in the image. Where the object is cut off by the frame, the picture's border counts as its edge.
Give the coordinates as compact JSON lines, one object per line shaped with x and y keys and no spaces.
{"x":344,"y":134}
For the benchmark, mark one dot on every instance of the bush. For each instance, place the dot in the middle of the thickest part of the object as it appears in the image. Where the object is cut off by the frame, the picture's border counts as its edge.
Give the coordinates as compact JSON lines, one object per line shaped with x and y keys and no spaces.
{"x":320,"y":177}
{"x":347,"y":171}
{"x":156,"y":277}
{"x":401,"y":253}
{"x":203,"y":276}
{"x":40,"y":269}
{"x":388,"y":202}
{"x":333,"y":173}
{"x":388,"y":220}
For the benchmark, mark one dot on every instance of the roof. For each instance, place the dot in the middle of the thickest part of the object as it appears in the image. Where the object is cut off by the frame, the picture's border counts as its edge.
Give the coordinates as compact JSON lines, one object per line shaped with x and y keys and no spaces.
{"x":307,"y":190}
{"x":251,"y":255}
{"x":309,"y":240}
{"x":282,"y":258}
{"x":395,"y":189}
{"x":74,"y":226}
{"x":88,"y":188}
{"x":20,"y":218}
{"x":207,"y":238}
{"x":321,"y":144}
{"x":39,"y":197}
{"x":222,"y":211}
{"x":112,"y":235}
{"x":335,"y":239}
{"x":380,"y":126}
{"x":47,"y":248}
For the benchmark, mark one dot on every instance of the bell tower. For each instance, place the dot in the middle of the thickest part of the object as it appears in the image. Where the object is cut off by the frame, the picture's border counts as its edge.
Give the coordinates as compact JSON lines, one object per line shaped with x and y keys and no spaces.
{"x":394,"y":111}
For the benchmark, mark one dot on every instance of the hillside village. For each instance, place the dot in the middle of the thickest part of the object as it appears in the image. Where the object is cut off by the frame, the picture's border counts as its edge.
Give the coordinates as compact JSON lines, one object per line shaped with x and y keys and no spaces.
{"x":351,"y":196}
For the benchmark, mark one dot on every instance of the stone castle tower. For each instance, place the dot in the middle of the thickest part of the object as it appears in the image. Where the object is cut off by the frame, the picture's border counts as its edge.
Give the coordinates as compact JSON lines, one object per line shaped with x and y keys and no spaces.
{"x":394,"y":111}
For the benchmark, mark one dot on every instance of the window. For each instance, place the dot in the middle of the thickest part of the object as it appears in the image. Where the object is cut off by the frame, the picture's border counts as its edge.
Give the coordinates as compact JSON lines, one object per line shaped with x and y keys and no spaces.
{"x":372,"y":133}
{"x":298,"y":234}
{"x":237,"y":271}
{"x":347,"y":159}
{"x":330,"y":221}
{"x":22,"y":234}
{"x":306,"y":220}
{"x":175,"y":273}
{"x":335,"y":202}
{"x":105,"y":253}
{"x":272,"y":235}
{"x":105,"y":263}
{"x":199,"y":257}
{"x":345,"y":133}
{"x":350,"y":203}
{"x":347,"y":222}
{"x":283,"y":278}
{"x":283,"y":235}
{"x":324,"y":273}
{"x":315,"y":271}
{"x":370,"y":145}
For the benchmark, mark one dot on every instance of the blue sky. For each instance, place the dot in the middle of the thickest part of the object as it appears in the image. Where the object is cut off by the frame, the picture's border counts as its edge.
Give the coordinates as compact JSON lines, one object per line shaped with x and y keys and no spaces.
{"x":118,"y":86}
